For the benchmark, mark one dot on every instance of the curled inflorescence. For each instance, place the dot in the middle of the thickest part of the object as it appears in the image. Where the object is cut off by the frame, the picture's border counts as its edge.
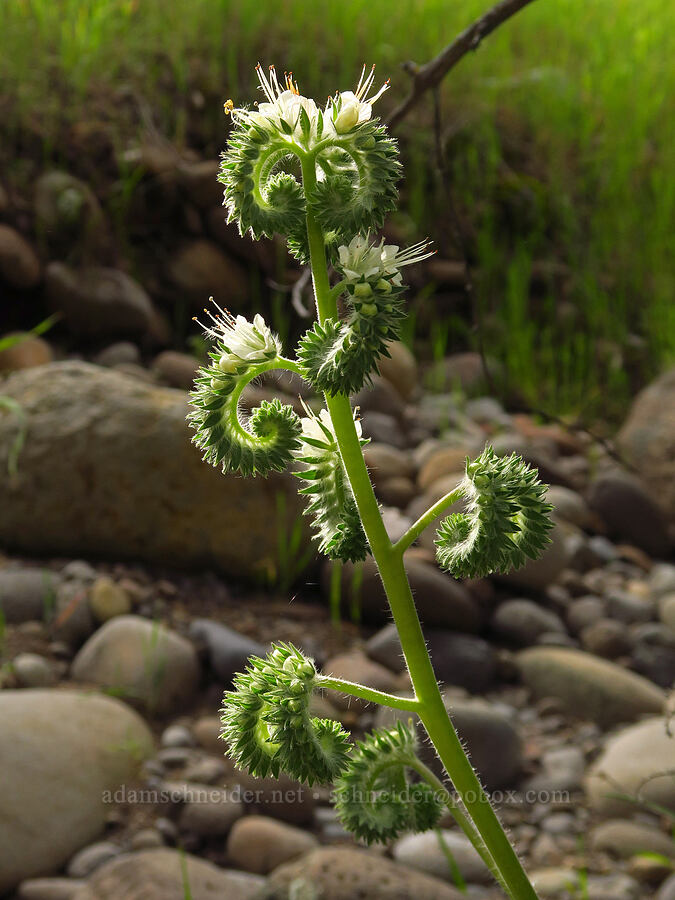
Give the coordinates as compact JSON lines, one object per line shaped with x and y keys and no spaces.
{"x":354,"y":164}
{"x":339,"y":356}
{"x":266,"y":442}
{"x":375,"y":798}
{"x":506,"y":523}
{"x":267,"y":724}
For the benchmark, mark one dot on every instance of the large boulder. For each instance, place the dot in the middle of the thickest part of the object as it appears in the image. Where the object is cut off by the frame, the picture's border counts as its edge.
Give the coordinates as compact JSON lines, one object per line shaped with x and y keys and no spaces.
{"x":587,"y":686}
{"x":99,"y":302}
{"x":63,"y":752}
{"x":647,"y":439}
{"x":636,"y":765}
{"x":344,"y":873}
{"x":144,"y":662}
{"x":108,"y":469}
{"x":164,"y":874}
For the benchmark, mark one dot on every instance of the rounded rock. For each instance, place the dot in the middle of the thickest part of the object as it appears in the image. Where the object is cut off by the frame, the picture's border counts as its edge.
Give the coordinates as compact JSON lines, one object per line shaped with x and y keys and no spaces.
{"x":441,"y":600}
{"x":637,"y":759}
{"x":587,"y":686}
{"x":400,"y":369}
{"x":30,"y":351}
{"x":144,"y":661}
{"x":355,"y":666}
{"x":162,"y":874}
{"x":344,"y":873}
{"x":90,"y":858}
{"x":94,"y":744}
{"x":19,"y":263}
{"x":107,"y":600}
{"x":259,"y":844}
{"x":629,"y":512}
{"x":33,"y":671}
{"x":424,"y":852}
{"x":522,"y":622}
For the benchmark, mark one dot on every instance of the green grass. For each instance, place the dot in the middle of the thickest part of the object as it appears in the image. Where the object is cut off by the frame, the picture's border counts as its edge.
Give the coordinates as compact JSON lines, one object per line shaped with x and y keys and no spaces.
{"x":562,"y":131}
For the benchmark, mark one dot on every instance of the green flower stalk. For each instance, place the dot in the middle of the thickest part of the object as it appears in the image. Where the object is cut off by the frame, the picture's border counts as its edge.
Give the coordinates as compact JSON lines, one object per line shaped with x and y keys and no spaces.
{"x":325,"y":179}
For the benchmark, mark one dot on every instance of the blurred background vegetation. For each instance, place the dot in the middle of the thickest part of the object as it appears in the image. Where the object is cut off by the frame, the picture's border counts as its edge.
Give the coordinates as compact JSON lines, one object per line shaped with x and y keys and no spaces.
{"x":557,"y":141}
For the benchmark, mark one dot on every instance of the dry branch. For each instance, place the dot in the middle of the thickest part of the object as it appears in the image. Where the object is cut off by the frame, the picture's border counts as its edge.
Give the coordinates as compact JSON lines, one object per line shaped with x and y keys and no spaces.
{"x":432,"y":73}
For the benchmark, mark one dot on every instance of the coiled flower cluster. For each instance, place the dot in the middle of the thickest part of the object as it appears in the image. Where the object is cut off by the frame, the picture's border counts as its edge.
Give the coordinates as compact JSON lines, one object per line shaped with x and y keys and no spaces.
{"x":268,"y":729}
{"x":267,"y":724}
{"x":339,"y":356}
{"x":354,"y":163}
{"x":506,"y":523}
{"x":266,"y":442}
{"x":375,"y":798}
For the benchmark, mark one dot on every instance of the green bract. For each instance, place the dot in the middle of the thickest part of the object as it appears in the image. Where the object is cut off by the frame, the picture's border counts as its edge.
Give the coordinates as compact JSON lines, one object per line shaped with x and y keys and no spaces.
{"x":507,"y":520}
{"x":335,"y":517}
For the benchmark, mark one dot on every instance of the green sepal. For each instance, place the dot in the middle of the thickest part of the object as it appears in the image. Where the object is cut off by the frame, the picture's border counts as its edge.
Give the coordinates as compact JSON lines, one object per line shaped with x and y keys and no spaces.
{"x":359,"y":190}
{"x":260,"y":200}
{"x":335,"y":516}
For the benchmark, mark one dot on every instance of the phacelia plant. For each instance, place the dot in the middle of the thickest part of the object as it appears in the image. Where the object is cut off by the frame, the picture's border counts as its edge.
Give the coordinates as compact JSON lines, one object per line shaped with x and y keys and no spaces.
{"x":346,"y":170}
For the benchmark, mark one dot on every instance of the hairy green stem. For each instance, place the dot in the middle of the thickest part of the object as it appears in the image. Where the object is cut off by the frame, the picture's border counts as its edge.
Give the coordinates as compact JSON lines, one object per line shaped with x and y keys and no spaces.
{"x":389,"y":561}
{"x":366,"y":693}
{"x":426,"y":519}
{"x":459,"y":816}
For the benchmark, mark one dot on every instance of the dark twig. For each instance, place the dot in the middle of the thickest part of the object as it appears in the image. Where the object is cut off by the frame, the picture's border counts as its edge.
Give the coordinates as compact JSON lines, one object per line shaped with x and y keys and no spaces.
{"x":432,"y":73}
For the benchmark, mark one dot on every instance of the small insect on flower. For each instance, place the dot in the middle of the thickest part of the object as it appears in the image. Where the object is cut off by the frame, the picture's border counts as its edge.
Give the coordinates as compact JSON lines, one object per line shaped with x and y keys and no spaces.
{"x":352,"y":108}
{"x":242,"y":343}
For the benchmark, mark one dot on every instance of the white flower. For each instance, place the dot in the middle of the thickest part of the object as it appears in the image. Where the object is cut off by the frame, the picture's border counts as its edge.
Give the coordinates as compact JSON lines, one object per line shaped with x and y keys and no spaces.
{"x":284,"y":103}
{"x":362,"y":260}
{"x":240,"y":340}
{"x":318,"y":429}
{"x":352,"y":108}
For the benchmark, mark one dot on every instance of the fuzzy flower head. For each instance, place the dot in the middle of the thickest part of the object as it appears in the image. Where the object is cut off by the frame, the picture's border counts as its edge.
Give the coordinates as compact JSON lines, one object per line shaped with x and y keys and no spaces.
{"x":362,"y":260}
{"x":242,"y":343}
{"x":352,"y":108}
{"x":297,"y":118}
{"x":283,"y":108}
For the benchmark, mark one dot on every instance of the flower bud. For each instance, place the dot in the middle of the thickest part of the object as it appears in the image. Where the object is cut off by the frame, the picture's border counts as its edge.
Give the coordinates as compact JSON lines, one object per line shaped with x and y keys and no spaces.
{"x":348,"y":117}
{"x":363,"y":290}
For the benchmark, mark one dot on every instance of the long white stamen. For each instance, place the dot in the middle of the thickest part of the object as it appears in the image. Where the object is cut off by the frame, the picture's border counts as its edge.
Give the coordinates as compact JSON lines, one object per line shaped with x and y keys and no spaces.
{"x":364,"y":87}
{"x":413,"y":254}
{"x":274,"y":81}
{"x":264,"y":84}
{"x":357,"y":92}
{"x":385,"y":87}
